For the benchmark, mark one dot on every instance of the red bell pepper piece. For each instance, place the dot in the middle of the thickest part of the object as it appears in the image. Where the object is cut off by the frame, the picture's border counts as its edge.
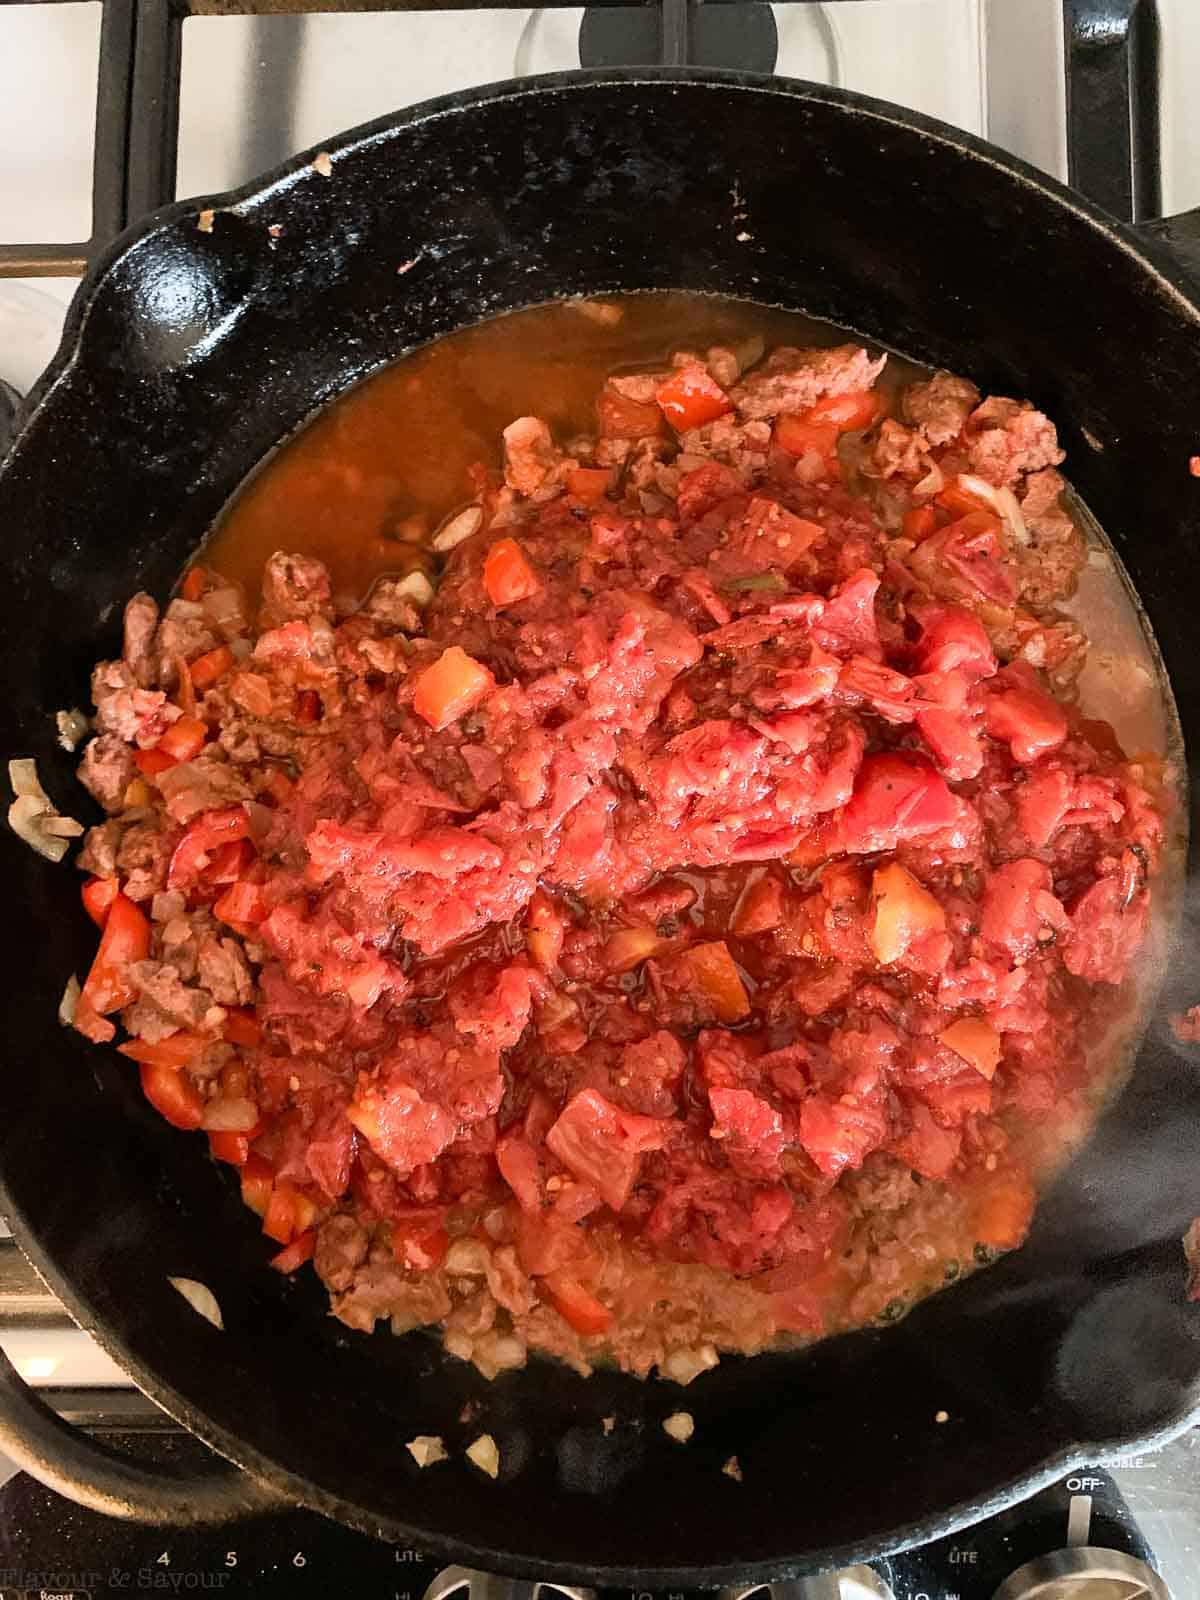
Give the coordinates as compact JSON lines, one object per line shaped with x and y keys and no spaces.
{"x":98,"y":896}
{"x":126,"y":939}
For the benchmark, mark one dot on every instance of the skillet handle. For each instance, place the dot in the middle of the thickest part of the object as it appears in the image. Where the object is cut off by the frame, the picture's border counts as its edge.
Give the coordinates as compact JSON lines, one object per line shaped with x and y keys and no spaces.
{"x":1180,"y":236}
{"x":79,"y":1468}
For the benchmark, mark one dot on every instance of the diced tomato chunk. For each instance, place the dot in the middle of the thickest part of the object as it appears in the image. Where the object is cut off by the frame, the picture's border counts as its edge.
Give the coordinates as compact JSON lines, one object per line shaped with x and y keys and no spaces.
{"x":954,"y":640}
{"x":895,"y":797}
{"x":125,"y":939}
{"x":297,"y":1253}
{"x":401,"y":1126}
{"x":507,"y":574}
{"x":521,"y":1170}
{"x":1028,"y":720}
{"x":929,"y":1148}
{"x":603,"y":1145}
{"x":243,"y":905}
{"x":800,"y":438}
{"x":904,"y":911}
{"x":201,"y":838}
{"x":213,"y":664}
{"x":840,"y":1133}
{"x":1012,"y":914}
{"x":452,"y":686}
{"x":691,"y":396}
{"x":184,"y":739}
{"x":976,"y":1041}
{"x":173,"y":1094}
{"x":587,"y":1315}
{"x":98,"y":896}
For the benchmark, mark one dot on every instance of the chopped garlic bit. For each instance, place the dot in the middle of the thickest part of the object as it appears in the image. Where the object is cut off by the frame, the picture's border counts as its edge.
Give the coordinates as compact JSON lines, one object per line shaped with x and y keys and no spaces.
{"x":484,"y":1454}
{"x":32,"y":816}
{"x":941,"y":1416}
{"x":681,"y":1425}
{"x":72,"y":727}
{"x":323,"y":165}
{"x":427,"y":1449}
{"x":70,"y":999}
{"x":201,"y":1299}
{"x":460,"y":526}
{"x":205,"y":220}
{"x":731,"y":1469}
{"x":608,"y":1424}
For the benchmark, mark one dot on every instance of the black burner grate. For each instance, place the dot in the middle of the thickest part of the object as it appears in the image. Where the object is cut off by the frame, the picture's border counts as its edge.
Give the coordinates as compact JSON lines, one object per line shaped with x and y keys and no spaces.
{"x":1111,"y":62}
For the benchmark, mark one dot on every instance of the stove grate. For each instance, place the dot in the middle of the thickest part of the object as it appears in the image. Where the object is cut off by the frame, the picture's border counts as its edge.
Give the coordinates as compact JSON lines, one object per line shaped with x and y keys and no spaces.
{"x":1111,"y":60}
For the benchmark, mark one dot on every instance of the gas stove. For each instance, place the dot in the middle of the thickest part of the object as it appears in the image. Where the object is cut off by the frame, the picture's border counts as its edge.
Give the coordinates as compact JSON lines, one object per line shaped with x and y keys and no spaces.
{"x":111,"y":107}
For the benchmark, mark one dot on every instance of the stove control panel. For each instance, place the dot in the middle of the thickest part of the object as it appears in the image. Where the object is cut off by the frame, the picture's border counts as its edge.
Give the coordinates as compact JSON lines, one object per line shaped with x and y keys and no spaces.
{"x":1074,"y":1541}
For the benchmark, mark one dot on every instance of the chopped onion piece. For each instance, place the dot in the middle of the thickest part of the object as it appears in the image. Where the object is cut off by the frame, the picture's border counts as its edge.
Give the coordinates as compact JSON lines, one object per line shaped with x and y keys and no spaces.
{"x":427,"y":1449}
{"x":235,"y":1114}
{"x":467,"y":1257}
{"x":70,"y":999}
{"x":201,"y":1299}
{"x":684,"y":1365}
{"x":732,"y":1469}
{"x":416,"y":587}
{"x":484,"y":1454}
{"x":25,"y":817}
{"x":749,"y":351}
{"x":61,"y":827}
{"x":72,"y":727}
{"x":1002,"y":501}
{"x":681,"y":1425}
{"x":459,"y":527}
{"x":23,"y":775}
{"x":598,"y":311}
{"x":608,"y":1424}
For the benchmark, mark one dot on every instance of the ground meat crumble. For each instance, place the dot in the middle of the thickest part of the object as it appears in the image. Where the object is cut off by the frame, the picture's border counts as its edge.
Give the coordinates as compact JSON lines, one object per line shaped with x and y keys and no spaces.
{"x":657,"y":946}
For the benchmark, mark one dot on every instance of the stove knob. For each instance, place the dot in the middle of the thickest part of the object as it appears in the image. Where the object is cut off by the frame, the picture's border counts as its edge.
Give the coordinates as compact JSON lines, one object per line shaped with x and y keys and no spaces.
{"x":1084,"y":1575}
{"x":854,"y":1583}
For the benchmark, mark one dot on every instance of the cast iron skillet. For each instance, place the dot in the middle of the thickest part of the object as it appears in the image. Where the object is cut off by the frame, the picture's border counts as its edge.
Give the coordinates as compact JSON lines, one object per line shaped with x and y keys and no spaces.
{"x":188,"y":355}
